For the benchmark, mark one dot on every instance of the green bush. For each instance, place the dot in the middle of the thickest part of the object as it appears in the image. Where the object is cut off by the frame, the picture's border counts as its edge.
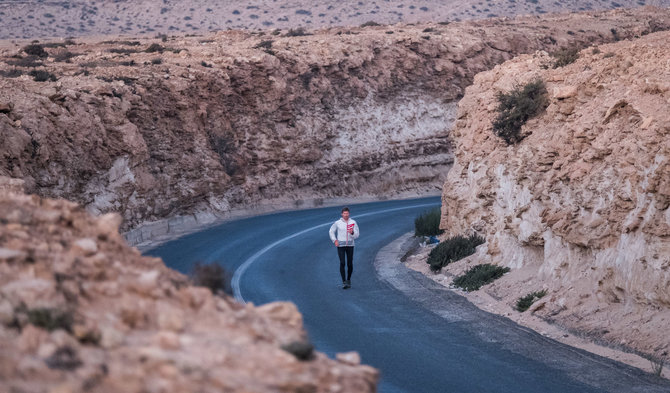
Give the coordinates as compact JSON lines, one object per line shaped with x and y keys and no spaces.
{"x":50,"y":319}
{"x":478,"y":276}
{"x":35,"y":50}
{"x":517,"y":107}
{"x":42,"y":76}
{"x":26,"y":62}
{"x":453,"y":249}
{"x":370,"y":24}
{"x":565,"y":56}
{"x":298,"y":32}
{"x":265,"y":44}
{"x":64,"y":57}
{"x":212,"y":276}
{"x":302,"y":349}
{"x":525,"y":302}
{"x":428,"y":223}
{"x":153,"y":48}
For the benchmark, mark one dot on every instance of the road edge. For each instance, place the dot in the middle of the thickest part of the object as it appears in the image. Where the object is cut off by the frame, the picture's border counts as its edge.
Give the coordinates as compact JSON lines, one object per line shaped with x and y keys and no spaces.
{"x":391,"y":270}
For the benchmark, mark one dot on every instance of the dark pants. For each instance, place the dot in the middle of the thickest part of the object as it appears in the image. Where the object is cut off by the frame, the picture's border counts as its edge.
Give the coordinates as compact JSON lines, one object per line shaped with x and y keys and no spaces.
{"x":349,"y":252}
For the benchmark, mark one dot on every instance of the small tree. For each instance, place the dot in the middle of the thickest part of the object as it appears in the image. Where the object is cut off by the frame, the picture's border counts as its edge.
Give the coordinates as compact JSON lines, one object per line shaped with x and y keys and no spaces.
{"x":516,"y":107}
{"x":428,"y":223}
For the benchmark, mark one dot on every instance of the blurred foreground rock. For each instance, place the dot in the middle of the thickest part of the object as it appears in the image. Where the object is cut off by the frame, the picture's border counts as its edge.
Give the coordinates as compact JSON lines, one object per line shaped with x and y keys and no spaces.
{"x":82,"y":312}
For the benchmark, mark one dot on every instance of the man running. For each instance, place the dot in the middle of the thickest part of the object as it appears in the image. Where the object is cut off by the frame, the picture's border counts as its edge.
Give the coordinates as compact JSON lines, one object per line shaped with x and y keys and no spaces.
{"x":347,"y":231}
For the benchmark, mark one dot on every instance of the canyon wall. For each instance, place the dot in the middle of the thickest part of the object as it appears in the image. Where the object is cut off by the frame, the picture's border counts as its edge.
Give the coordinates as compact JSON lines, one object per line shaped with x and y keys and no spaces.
{"x":194,"y":128}
{"x":580,"y":206}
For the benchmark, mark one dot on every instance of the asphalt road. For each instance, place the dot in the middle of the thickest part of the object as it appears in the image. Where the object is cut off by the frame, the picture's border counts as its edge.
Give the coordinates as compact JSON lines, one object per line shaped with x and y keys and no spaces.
{"x":288,"y":256}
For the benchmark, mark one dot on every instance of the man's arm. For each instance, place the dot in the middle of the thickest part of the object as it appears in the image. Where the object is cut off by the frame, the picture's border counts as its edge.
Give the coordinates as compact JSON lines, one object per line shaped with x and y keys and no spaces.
{"x":331,"y":232}
{"x":356,"y":232}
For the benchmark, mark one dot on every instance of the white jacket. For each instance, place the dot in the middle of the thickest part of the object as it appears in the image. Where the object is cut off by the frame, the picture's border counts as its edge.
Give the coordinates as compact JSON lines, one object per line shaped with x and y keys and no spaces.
{"x":343,"y":236}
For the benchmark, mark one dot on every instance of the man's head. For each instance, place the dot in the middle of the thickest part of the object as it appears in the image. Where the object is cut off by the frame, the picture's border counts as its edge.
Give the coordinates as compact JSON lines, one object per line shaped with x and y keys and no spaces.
{"x":345,"y":213}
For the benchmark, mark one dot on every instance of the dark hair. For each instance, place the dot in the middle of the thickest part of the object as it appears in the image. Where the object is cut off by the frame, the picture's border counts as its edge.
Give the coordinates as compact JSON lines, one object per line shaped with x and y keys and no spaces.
{"x":345,"y":209}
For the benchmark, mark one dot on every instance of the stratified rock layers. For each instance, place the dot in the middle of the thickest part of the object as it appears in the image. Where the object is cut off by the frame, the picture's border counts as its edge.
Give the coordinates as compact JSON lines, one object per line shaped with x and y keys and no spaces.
{"x":199,"y":127}
{"x":584,"y":198}
{"x":82,"y":312}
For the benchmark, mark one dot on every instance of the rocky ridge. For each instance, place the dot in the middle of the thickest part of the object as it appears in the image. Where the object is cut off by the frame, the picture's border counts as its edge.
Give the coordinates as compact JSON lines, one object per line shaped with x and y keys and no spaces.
{"x":193,"y":128}
{"x":580,"y":207}
{"x":80,"y":311}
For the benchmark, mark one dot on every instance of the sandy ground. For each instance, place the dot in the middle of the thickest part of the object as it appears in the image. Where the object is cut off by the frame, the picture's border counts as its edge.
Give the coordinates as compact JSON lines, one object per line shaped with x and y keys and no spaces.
{"x":32,"y":19}
{"x":484,"y":300}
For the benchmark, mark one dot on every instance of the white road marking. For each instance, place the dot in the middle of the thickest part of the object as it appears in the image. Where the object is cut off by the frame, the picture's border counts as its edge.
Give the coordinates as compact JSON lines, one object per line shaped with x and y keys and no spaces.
{"x":237,"y":276}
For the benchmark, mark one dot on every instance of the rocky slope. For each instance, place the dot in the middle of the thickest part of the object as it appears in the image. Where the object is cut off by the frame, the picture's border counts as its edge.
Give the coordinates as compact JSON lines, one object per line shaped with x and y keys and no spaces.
{"x":74,"y":18}
{"x":80,"y":312}
{"x":580,"y":206}
{"x":194,"y":128}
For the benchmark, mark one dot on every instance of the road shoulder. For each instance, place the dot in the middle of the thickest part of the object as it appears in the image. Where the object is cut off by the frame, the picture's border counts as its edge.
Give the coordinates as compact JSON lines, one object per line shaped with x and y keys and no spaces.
{"x":432,"y":292}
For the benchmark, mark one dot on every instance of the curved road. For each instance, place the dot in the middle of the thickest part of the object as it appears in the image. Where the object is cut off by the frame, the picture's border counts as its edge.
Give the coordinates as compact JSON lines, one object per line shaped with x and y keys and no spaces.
{"x":288,"y":256}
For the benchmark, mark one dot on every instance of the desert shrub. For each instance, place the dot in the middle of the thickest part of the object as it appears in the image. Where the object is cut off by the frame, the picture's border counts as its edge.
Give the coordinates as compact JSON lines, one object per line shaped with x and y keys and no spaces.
{"x":428,"y":223}
{"x":615,"y":34}
{"x":302,"y":350}
{"x":303,"y":12}
{"x":608,"y":55}
{"x":516,"y":107}
{"x":265,"y":44}
{"x":153,"y":48}
{"x":64,"y":56}
{"x":27,"y":62}
{"x":42,"y":76}
{"x":126,"y":43}
{"x":595,"y":51}
{"x":565,"y":56}
{"x":452,"y":250}
{"x":299,"y":32}
{"x":428,"y":30}
{"x":656,"y":364}
{"x":370,"y":23}
{"x":205,"y":64}
{"x":123,"y":51}
{"x":526,"y":301}
{"x":64,"y":358}
{"x":479,"y":276}
{"x":54,"y":45}
{"x":212,"y":276}
{"x":13,"y":73}
{"x":224,"y":147}
{"x":50,"y":319}
{"x":35,"y":50}
{"x":157,"y":61}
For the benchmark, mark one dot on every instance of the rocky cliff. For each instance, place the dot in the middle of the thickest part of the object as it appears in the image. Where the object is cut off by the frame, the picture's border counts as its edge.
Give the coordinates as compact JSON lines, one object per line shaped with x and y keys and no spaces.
{"x":197,"y":127}
{"x":82,"y":312}
{"x":580,"y":206}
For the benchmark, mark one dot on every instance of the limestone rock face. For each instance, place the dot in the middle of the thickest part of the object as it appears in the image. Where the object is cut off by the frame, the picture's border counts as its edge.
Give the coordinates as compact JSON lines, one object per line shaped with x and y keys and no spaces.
{"x":82,"y":312}
{"x":583,"y":200}
{"x":195,"y":128}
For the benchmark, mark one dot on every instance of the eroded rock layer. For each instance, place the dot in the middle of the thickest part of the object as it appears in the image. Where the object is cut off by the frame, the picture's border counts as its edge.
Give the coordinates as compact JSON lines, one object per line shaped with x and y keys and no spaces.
{"x":580,"y":206}
{"x":197,"y":127}
{"x":82,"y":312}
